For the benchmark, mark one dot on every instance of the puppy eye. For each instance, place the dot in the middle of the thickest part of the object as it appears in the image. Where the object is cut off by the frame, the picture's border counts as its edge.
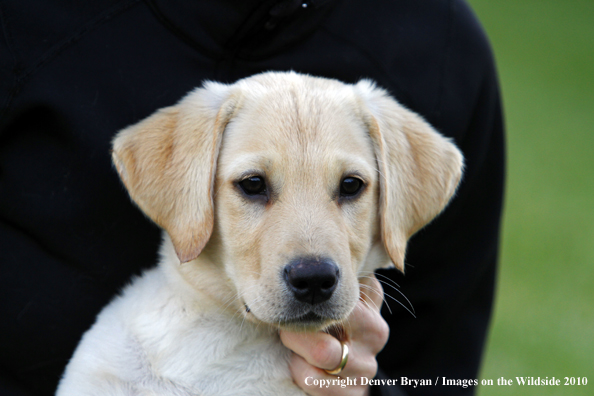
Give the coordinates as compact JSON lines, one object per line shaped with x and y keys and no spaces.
{"x":254,"y":185}
{"x":350,"y":186}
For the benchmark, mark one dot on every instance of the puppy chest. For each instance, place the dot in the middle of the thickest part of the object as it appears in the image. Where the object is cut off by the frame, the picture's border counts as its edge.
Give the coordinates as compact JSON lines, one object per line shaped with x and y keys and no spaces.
{"x":217,"y":361}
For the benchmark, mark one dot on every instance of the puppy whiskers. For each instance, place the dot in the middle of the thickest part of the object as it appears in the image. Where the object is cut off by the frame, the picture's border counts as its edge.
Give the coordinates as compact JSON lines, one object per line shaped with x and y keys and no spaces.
{"x":411,"y":310}
{"x":370,"y":300}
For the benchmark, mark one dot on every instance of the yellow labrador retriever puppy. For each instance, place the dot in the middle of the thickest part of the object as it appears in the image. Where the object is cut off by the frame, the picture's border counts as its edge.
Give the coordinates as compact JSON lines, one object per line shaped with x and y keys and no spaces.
{"x":276,"y":194}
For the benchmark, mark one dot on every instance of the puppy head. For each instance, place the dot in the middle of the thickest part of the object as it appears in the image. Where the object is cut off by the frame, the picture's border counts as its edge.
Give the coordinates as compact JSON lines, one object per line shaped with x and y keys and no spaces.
{"x":288,"y":188}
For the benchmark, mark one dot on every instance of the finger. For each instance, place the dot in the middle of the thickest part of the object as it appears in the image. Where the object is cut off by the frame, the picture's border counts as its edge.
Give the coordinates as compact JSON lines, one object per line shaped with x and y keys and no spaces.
{"x":371,"y":291}
{"x":366,"y":326}
{"x":368,"y":329}
{"x":316,"y":382}
{"x":318,"y":349}
{"x":321,"y":355}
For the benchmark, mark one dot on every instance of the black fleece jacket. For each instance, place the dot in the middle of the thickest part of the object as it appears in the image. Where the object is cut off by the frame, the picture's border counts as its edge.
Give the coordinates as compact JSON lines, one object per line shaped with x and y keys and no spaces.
{"x":74,"y":73}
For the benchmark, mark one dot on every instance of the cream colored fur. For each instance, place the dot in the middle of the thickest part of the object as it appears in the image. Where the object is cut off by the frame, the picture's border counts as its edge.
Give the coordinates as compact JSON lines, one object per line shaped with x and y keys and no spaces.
{"x":205,"y":320}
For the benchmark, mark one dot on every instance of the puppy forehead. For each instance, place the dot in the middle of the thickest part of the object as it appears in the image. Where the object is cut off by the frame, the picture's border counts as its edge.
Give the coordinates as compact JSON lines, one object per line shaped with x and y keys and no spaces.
{"x":314,"y":131}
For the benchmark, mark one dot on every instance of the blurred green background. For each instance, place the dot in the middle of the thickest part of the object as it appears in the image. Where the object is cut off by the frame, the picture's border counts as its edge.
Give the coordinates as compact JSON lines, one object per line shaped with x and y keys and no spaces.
{"x":544,"y":315}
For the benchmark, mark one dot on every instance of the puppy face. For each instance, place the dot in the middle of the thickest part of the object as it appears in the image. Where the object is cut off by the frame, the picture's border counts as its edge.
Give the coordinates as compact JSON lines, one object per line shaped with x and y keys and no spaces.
{"x":282,"y":188}
{"x":296,"y":198}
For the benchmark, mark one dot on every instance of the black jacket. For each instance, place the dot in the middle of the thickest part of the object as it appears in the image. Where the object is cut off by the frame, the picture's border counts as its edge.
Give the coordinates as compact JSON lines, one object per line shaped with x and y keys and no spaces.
{"x":72,"y":76}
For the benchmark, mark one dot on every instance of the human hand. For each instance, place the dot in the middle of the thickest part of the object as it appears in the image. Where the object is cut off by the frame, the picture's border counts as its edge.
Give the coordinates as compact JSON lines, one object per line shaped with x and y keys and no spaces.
{"x":365,"y":333}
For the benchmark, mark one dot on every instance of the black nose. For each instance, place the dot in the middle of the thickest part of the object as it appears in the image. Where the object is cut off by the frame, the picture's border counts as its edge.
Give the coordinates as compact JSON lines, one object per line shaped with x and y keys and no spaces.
{"x":312,"y":280}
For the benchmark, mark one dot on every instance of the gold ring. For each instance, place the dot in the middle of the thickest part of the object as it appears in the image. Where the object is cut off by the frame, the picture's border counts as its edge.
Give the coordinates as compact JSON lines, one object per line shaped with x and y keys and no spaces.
{"x":343,"y":362}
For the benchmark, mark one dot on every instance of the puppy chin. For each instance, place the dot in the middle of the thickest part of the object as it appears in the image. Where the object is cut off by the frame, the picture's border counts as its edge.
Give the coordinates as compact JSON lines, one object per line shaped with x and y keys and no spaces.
{"x":301,"y":318}
{"x":309,"y":322}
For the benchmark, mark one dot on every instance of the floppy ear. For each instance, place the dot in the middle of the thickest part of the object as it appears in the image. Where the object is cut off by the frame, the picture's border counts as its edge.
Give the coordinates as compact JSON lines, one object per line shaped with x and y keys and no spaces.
{"x":419,"y":168}
{"x":167,"y":162}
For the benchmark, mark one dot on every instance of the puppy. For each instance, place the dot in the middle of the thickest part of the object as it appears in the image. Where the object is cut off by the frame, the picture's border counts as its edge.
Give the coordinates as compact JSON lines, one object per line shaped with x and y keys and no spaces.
{"x":276,"y":194}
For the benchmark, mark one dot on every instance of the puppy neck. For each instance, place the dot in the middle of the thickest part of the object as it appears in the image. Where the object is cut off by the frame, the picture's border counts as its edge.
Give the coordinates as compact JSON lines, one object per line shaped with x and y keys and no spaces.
{"x":202,"y":282}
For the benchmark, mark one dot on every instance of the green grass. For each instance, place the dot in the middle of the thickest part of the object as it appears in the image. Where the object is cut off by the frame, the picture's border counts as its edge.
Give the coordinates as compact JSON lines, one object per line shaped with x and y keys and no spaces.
{"x":544,"y":317}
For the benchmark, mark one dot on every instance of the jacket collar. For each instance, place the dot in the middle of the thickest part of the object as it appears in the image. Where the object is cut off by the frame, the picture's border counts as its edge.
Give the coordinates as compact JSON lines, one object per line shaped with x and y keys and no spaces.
{"x":244,"y":29}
